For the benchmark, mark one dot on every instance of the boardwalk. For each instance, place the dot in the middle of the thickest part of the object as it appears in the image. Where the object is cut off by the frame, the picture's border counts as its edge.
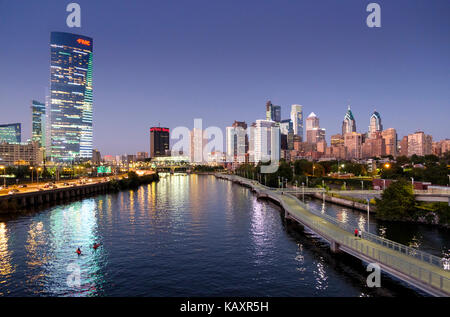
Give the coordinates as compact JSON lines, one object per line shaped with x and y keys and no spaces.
{"x":417,"y":268}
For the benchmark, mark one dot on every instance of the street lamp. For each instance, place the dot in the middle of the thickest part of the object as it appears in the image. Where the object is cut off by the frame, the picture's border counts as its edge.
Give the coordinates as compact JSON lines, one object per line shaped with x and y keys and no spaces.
{"x":31,"y":169}
{"x":412,"y":182}
{"x":37,"y":173}
{"x":2,"y":167}
{"x":362,"y":185}
{"x":368,"y":213}
{"x":303,"y":191}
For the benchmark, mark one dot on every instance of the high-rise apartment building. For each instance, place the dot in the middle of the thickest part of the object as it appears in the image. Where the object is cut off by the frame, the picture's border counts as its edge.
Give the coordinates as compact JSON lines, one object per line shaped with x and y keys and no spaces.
{"x":159,"y":141}
{"x":297,"y":120}
{"x":353,"y":142}
{"x":38,"y":122}
{"x":199,"y":141}
{"x":390,"y":141}
{"x":237,"y":142}
{"x":70,"y":126}
{"x":420,"y":144}
{"x":11,"y":133}
{"x":267,"y":141}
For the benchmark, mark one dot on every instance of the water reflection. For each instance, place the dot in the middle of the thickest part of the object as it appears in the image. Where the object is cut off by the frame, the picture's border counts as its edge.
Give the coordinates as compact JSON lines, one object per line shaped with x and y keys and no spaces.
{"x":184,"y":236}
{"x":6,"y":269}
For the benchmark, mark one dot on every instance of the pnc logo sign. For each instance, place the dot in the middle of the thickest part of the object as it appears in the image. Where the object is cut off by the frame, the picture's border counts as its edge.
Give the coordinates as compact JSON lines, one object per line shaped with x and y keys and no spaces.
{"x":84,"y":42}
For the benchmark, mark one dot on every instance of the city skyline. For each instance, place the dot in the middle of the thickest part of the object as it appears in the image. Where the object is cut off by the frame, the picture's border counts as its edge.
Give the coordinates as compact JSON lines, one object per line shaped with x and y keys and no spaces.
{"x":177,"y":98}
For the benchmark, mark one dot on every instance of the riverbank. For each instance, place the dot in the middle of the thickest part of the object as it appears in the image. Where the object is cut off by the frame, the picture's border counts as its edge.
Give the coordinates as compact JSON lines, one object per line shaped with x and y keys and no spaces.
{"x":20,"y":202}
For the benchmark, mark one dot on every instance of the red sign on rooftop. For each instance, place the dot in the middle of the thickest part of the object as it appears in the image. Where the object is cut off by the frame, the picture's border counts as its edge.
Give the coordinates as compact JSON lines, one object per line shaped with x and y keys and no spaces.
{"x":159,"y":130}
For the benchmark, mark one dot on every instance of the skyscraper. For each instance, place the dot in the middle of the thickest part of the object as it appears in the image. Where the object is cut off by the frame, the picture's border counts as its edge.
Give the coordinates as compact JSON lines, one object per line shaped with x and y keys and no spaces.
{"x":297,"y":119}
{"x":38,"y":122}
{"x":273,"y":112}
{"x":390,"y":140}
{"x":267,"y":141}
{"x":314,"y":133}
{"x":375,"y":124}
{"x":349,"y":123}
{"x":70,"y":97}
{"x":419,"y":143}
{"x":11,"y":133}
{"x":159,"y":141}
{"x":237,"y":142}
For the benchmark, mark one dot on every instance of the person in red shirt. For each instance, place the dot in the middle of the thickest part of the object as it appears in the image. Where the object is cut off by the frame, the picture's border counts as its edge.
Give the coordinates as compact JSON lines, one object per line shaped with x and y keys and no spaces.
{"x":356,"y":233}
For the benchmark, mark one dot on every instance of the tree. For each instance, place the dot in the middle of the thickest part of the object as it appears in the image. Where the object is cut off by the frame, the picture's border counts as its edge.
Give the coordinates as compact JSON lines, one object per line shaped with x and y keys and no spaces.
{"x":397,"y":201}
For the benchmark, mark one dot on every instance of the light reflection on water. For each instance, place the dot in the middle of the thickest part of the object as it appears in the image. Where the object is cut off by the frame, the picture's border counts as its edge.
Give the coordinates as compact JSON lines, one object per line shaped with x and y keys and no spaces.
{"x":185,"y":236}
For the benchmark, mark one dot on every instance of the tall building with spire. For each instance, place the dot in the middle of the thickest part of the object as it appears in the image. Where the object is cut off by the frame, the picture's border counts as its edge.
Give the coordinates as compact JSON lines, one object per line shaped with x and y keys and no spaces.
{"x":349,"y":123}
{"x":375,"y":124}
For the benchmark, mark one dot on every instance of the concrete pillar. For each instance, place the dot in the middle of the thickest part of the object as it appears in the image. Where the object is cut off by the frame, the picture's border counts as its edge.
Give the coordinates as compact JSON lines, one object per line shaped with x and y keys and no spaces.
{"x":24,"y":201}
{"x":334,"y":246}
{"x":40,"y":201}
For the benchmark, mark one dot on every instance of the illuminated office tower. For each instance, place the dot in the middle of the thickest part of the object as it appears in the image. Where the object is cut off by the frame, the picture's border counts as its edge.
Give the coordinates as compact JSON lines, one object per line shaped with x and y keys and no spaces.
{"x":38,"y":122}
{"x":11,"y":133}
{"x":70,"y":98}
{"x":159,"y":141}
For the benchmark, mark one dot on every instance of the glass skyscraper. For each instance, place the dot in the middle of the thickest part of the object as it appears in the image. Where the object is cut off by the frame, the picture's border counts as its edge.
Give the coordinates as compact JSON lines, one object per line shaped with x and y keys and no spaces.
{"x":11,"y":133}
{"x":38,"y":122}
{"x":70,"y":97}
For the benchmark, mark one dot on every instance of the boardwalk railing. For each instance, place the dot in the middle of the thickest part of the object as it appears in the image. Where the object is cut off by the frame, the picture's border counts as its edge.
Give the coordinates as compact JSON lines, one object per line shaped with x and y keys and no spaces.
{"x":419,"y":268}
{"x":419,"y":255}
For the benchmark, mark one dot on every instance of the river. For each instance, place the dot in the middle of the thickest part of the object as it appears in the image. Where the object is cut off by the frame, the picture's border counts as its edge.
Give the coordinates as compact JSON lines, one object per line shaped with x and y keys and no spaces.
{"x":187,"y":236}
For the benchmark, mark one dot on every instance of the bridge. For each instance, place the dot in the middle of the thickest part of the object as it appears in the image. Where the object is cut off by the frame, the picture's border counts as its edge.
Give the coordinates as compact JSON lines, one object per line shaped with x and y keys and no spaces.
{"x":420,"y":195}
{"x":422,"y":270}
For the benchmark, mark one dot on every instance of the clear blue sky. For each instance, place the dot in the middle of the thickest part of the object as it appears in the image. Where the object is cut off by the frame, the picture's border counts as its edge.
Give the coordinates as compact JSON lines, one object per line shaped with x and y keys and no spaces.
{"x":169,"y":62}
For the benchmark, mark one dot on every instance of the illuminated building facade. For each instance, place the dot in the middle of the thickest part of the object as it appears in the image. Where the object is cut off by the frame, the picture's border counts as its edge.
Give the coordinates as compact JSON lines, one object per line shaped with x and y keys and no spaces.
{"x":38,"y":122}
{"x":70,"y":125}
{"x":159,"y":141}
{"x":11,"y":133}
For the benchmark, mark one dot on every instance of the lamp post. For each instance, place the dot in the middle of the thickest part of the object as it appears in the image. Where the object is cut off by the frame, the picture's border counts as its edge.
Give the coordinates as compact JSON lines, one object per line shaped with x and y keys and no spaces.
{"x":31,"y":169}
{"x":37,"y":174}
{"x":2,"y":167}
{"x":303,"y":191}
{"x":278,"y":181}
{"x":412,"y":182}
{"x":368,"y":214}
{"x":384,"y":184}
{"x":362,"y":185}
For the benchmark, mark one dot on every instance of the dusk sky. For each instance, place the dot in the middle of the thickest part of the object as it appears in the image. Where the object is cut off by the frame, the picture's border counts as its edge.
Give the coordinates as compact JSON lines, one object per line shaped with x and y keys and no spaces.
{"x":168,"y":62}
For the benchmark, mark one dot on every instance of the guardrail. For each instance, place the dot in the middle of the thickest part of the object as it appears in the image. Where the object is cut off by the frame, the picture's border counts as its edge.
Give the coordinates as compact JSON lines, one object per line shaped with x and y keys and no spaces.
{"x":395,"y":261}
{"x":417,"y":254}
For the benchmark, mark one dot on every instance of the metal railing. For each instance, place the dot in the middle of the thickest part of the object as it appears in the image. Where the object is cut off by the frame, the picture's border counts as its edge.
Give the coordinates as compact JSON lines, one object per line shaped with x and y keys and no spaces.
{"x":417,"y":254}
{"x":417,"y":273}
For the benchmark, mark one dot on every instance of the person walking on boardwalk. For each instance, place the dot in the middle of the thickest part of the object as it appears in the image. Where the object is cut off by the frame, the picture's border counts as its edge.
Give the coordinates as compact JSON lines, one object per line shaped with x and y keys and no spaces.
{"x":360,"y":234}
{"x":356,"y":233}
